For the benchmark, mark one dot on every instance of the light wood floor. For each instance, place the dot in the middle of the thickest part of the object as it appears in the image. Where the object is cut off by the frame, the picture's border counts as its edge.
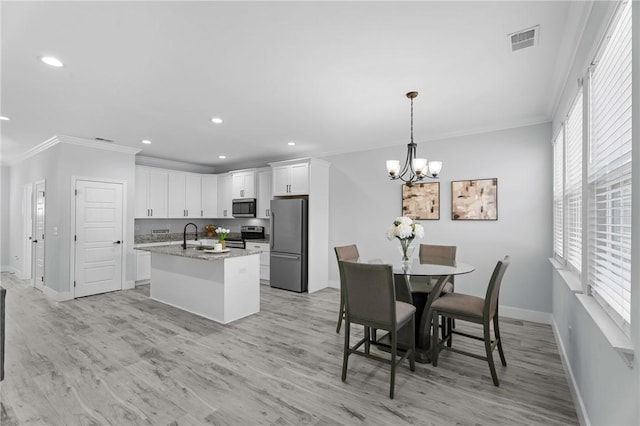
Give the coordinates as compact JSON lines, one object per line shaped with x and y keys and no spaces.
{"x":122,"y":359}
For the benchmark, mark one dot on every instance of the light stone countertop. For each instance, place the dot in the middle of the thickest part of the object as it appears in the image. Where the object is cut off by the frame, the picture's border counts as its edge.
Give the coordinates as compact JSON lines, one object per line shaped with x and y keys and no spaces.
{"x":192,"y":252}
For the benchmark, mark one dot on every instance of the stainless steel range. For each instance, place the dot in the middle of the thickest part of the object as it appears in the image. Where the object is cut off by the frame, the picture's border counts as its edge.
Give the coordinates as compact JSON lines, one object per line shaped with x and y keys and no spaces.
{"x":236,"y":239}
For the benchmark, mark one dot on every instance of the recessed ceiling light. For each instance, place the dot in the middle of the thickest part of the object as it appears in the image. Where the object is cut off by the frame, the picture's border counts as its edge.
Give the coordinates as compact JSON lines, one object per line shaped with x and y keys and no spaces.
{"x":291,"y":144}
{"x":50,"y":60}
{"x":146,"y":142}
{"x":222,"y":157}
{"x":2,"y":117}
{"x":216,"y":120}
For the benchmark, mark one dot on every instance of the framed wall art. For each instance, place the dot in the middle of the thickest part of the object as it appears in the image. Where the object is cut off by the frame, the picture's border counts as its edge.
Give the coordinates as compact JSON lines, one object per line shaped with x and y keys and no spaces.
{"x":474,"y":199}
{"x":421,"y":201}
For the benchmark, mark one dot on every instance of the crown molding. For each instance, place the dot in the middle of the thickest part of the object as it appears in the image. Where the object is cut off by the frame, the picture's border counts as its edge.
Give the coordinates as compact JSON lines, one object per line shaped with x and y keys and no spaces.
{"x":142,"y":160}
{"x":72,"y":140}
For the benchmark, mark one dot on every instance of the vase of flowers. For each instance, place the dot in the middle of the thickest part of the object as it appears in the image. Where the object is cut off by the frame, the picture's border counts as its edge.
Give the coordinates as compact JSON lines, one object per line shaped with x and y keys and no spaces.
{"x":210,"y":230}
{"x":405,"y":229}
{"x":222,"y":234}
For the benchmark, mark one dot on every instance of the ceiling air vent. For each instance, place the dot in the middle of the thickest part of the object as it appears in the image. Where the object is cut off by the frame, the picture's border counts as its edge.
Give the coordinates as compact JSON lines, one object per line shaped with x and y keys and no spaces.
{"x":103,"y":140}
{"x":525,"y":38}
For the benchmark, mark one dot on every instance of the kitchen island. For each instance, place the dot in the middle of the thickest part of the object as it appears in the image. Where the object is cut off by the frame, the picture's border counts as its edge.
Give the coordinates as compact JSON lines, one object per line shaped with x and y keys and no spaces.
{"x":222,"y":287}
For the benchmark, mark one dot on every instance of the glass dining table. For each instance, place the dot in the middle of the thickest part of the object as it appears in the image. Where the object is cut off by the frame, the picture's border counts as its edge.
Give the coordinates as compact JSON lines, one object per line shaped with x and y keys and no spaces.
{"x":425,"y":287}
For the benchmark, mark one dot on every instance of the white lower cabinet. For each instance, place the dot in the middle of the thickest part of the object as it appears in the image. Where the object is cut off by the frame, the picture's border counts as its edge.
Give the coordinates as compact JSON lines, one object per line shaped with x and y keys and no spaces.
{"x":265,"y":253}
{"x":143,"y":266}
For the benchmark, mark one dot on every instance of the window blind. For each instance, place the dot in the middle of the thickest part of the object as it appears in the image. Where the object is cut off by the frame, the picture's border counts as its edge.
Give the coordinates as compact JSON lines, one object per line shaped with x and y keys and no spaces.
{"x":609,"y":174}
{"x":558,"y":190}
{"x":573,"y":186}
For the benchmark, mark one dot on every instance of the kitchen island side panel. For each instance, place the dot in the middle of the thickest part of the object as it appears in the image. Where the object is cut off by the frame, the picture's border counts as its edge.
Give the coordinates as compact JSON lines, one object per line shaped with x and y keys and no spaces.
{"x":201,"y":287}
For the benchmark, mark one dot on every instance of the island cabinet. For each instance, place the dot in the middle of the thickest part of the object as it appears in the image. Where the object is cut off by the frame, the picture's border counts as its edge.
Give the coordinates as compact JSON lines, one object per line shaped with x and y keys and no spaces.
{"x":291,"y":179}
{"x":263,"y":199}
{"x":224,"y":195}
{"x":151,"y":193}
{"x":184,"y":195}
{"x":209,"y":196}
{"x":243,"y":184}
{"x":221,"y":287}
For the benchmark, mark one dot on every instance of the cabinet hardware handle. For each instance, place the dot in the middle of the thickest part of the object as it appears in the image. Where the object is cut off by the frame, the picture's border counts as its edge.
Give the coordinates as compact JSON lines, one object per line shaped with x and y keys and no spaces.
{"x":117,"y":242}
{"x":201,"y":213}
{"x":151,"y":212}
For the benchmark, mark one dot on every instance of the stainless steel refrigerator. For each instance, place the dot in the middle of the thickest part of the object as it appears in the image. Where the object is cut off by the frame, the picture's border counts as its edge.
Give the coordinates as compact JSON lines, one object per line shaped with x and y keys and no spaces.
{"x":288,"y":269}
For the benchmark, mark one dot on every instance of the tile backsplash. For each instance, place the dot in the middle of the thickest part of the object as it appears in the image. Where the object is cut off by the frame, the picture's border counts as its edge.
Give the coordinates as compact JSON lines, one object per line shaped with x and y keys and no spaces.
{"x":172,"y":226}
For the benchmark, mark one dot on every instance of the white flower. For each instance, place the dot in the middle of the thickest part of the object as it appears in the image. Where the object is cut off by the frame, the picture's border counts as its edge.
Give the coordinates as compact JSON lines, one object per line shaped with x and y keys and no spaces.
{"x":405,"y":228}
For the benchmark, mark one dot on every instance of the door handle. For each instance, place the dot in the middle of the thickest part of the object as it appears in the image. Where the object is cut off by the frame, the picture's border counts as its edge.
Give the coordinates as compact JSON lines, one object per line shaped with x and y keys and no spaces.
{"x":117,"y":242}
{"x":35,"y":241}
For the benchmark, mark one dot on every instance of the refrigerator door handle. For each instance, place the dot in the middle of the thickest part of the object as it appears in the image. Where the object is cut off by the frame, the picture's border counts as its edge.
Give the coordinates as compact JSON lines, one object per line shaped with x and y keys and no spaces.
{"x":285,"y":256}
{"x":271,"y":226}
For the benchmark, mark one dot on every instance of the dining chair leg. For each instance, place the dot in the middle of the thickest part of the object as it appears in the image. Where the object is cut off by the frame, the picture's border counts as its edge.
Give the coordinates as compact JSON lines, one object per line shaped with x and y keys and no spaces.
{"x":345,"y":356}
{"x":434,"y":340}
{"x":496,"y":331}
{"x":394,"y":349}
{"x":412,"y":344}
{"x":450,"y":325}
{"x":487,"y":346}
{"x":341,"y":314}
{"x":367,"y":341}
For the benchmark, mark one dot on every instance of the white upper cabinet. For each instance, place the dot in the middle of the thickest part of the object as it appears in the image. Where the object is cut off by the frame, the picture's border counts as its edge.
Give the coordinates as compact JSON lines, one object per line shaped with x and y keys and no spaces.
{"x":291,"y":179}
{"x":193,"y":195}
{"x":151,"y":193}
{"x":263,"y":200}
{"x":184,"y":195}
{"x":224,"y":195}
{"x":209,"y":196}
{"x":243,"y":184}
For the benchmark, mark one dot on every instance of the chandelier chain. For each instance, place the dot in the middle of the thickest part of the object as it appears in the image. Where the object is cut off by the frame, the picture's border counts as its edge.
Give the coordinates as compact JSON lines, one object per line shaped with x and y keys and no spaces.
{"x":411,"y":120}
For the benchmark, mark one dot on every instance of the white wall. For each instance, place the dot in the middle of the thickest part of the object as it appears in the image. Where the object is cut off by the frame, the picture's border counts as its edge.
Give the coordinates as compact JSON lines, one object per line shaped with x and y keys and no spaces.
{"x":4,"y":217}
{"x":364,"y":202}
{"x":57,"y":165}
{"x":606,"y":390}
{"x":43,"y":166}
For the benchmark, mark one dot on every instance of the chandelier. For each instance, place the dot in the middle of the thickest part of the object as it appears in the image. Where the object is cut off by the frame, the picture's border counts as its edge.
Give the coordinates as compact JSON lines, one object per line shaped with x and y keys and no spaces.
{"x":414,"y":169}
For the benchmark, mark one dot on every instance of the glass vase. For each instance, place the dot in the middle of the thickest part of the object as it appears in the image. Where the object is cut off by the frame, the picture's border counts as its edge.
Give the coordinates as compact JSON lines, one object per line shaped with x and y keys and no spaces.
{"x":406,"y":248}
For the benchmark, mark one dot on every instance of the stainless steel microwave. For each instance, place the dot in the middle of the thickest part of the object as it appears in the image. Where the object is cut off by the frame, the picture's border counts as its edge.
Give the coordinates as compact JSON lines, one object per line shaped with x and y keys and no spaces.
{"x":244,"y":207}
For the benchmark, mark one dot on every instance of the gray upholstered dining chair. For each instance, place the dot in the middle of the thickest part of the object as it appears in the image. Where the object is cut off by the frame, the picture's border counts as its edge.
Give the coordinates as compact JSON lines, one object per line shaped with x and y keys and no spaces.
{"x":473,"y":309}
{"x":370,"y":301}
{"x":344,"y":253}
{"x":438,"y":255}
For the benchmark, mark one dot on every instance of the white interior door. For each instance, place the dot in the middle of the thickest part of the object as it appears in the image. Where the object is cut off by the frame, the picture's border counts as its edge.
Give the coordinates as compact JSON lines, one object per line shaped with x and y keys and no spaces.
{"x":99,"y":248}
{"x":38,"y":237}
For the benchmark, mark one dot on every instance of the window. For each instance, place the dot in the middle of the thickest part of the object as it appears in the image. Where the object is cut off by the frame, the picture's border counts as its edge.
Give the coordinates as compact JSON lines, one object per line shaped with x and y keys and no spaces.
{"x":558,"y":194}
{"x":573,"y":186}
{"x":609,"y":173}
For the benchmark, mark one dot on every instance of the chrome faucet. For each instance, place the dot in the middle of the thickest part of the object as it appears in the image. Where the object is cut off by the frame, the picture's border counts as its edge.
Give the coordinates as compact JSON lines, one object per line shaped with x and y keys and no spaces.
{"x":184,"y":234}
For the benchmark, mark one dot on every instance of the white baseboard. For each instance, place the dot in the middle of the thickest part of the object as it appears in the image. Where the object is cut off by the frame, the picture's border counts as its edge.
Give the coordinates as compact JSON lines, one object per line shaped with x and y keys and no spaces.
{"x":58,"y":296}
{"x":128,"y":284}
{"x":525,"y":315}
{"x":334,"y":284}
{"x":581,"y":410}
{"x":8,"y":268}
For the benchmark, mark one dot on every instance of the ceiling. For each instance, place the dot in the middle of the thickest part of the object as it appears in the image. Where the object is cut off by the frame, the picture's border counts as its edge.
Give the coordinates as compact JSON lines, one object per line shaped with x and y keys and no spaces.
{"x":329,"y":76}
